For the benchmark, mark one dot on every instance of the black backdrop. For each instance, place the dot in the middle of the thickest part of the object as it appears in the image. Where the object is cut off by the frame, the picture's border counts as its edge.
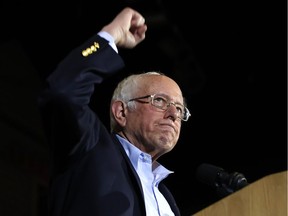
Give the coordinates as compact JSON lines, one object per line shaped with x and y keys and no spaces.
{"x":229,"y":58}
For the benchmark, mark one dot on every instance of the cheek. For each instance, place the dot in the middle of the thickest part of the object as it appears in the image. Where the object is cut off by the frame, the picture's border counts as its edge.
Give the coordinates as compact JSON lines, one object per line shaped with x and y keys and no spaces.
{"x":136,"y":120}
{"x":142,"y":115}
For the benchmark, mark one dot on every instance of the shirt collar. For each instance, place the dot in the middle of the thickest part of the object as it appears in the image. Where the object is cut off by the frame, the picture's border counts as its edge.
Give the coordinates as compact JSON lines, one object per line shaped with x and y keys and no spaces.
{"x":134,"y":154}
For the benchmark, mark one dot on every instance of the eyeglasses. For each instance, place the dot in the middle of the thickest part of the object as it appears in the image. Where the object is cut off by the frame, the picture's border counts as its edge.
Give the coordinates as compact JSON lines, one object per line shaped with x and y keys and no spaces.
{"x":162,"y":102}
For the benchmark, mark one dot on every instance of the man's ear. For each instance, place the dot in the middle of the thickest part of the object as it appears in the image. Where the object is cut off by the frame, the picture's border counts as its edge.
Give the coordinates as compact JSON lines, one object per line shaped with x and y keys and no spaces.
{"x":118,"y":109}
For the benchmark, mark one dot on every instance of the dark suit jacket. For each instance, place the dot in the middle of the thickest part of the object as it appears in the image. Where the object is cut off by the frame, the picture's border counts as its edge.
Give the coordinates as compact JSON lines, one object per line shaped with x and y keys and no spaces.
{"x":91,"y":174}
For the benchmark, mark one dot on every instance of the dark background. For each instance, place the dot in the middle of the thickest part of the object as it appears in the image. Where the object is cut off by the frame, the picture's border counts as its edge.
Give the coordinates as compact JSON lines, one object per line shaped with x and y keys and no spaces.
{"x":229,"y":57}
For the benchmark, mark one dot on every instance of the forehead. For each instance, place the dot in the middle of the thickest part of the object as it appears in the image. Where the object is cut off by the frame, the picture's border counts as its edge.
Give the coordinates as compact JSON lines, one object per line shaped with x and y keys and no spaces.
{"x":154,"y":84}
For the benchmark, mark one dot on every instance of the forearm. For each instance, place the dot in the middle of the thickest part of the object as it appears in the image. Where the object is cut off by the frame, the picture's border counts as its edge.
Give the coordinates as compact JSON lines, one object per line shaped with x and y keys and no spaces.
{"x":77,"y":74}
{"x":68,"y":94}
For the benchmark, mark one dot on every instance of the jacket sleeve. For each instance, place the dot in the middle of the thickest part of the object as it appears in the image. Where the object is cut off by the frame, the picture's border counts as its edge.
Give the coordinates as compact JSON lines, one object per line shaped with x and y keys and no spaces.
{"x":72,"y":128}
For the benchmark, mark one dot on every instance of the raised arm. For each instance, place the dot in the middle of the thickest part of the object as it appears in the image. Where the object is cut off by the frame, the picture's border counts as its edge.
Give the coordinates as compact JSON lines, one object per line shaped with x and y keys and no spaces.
{"x":65,"y":101}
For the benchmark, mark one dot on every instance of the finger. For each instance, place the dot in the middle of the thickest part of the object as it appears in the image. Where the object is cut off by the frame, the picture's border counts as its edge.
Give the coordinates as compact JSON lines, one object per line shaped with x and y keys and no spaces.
{"x":141,"y":31}
{"x":137,"y":20}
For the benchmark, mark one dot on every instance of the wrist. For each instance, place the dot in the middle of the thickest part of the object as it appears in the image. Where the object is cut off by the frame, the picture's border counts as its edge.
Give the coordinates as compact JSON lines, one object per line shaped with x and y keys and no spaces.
{"x":107,"y":36}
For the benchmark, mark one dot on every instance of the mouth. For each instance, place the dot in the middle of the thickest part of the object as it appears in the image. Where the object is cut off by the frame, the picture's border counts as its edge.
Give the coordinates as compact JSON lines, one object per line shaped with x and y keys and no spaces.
{"x":168,"y":127}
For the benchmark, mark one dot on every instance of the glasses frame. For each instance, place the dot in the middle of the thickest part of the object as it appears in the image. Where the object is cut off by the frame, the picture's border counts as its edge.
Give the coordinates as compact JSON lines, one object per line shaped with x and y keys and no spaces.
{"x":168,"y":104}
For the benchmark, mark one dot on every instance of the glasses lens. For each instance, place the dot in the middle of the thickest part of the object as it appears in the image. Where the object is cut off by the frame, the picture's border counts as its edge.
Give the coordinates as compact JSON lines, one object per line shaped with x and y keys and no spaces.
{"x":159,"y":101}
{"x":163,"y":103}
{"x":186,"y":114}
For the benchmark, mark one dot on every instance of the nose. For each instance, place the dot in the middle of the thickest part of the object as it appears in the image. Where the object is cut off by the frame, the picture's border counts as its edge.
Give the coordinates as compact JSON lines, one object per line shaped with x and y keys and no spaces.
{"x":171,"y":111}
